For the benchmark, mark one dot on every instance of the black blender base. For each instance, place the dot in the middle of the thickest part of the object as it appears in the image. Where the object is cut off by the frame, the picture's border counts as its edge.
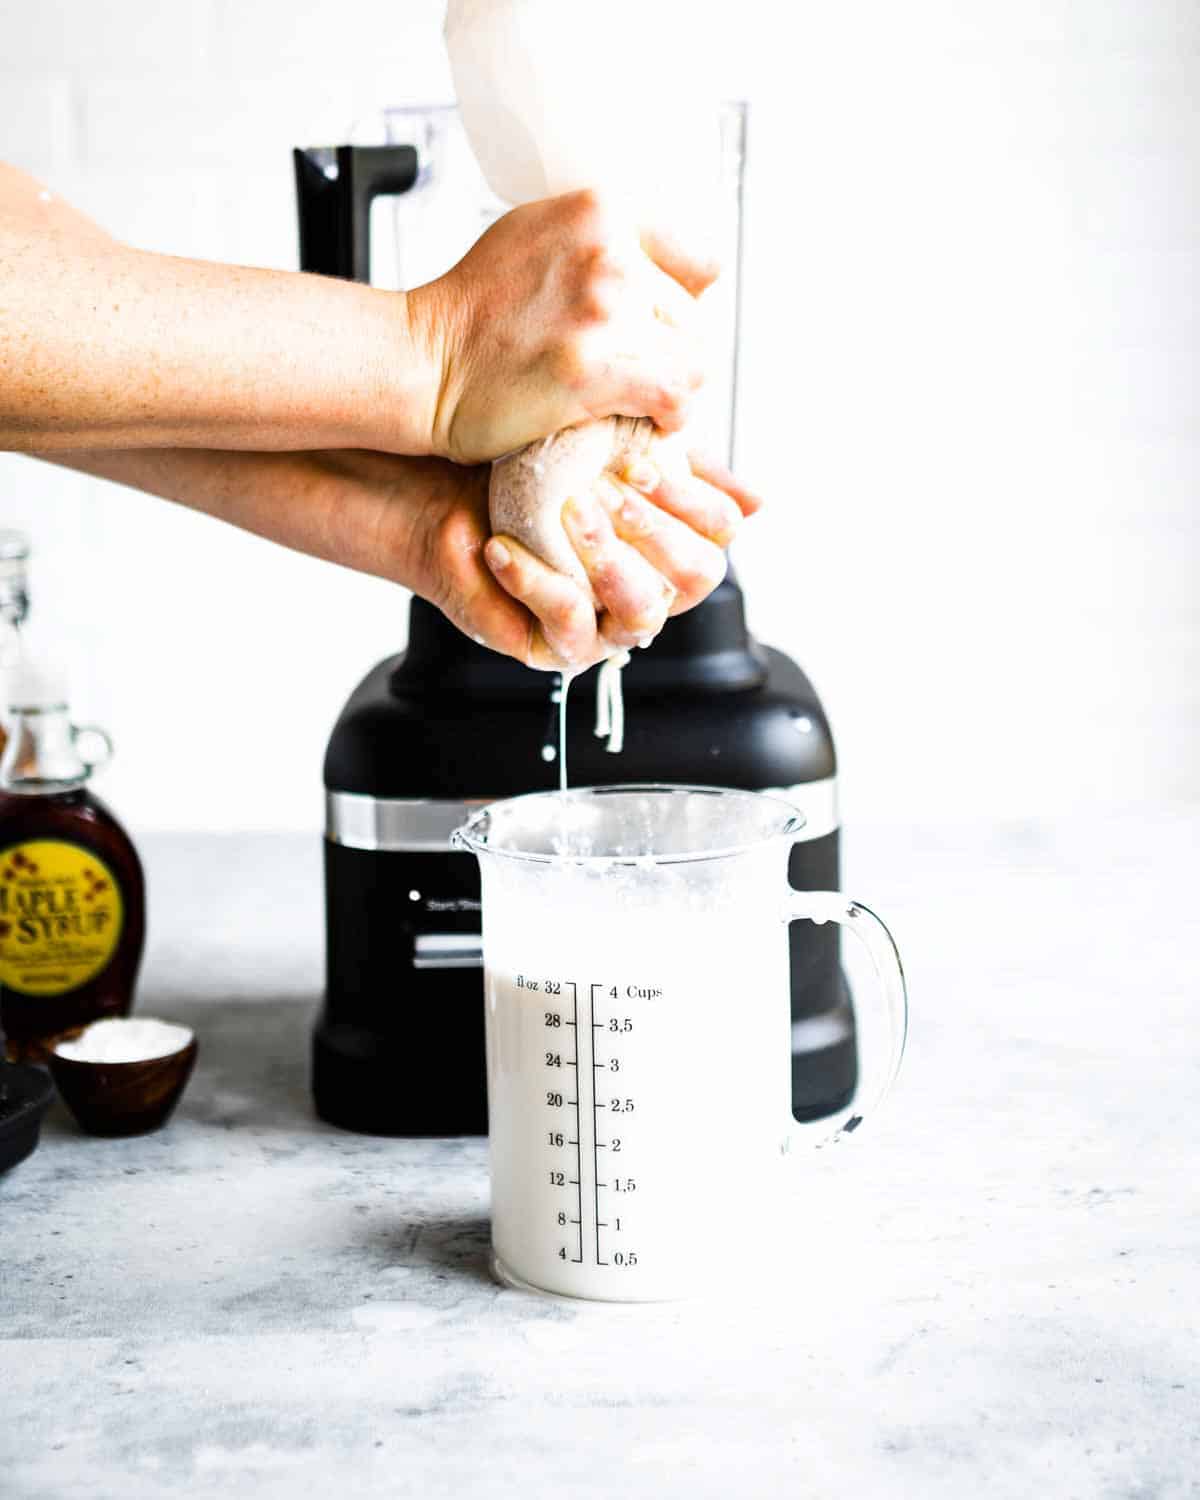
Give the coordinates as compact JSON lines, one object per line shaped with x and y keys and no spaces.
{"x":364,"y":1083}
{"x":359,"y":1085}
{"x":823,"y":1083}
{"x":824,"y":1062}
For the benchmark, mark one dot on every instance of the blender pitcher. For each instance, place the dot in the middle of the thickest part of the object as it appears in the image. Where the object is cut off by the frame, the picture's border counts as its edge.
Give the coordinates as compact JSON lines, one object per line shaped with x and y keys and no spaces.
{"x":638,"y":1031}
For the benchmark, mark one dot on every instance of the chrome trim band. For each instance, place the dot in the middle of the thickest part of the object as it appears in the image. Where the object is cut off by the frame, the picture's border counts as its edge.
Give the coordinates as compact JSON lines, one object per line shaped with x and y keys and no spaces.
{"x":448,"y":950}
{"x":423,"y":825}
{"x":400,"y":825}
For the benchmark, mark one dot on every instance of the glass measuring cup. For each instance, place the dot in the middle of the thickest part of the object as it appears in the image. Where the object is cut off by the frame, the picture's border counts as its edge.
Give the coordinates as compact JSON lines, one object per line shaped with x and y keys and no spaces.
{"x":636,"y":992}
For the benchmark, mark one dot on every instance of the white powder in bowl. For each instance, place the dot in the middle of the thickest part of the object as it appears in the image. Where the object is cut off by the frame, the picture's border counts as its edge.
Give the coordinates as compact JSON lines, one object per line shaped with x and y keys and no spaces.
{"x":119,"y":1040}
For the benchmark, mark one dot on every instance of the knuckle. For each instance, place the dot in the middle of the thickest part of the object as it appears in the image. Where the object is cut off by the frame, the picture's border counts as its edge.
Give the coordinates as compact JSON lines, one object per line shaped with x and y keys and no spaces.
{"x":672,"y":403}
{"x":454,"y":547}
{"x":636,"y":519}
{"x":702,"y":574}
{"x":597,"y":299}
{"x":711,"y":570}
{"x":591,"y":539}
{"x":560,"y":616}
{"x":571,"y":365}
{"x":590,"y":210}
{"x":584,"y":202}
{"x":616,"y":634}
{"x":605,"y":571}
{"x":648,"y":617}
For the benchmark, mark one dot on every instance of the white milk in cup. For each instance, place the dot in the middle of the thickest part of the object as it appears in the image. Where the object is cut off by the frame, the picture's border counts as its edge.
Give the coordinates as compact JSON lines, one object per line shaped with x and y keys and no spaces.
{"x":636,"y":979}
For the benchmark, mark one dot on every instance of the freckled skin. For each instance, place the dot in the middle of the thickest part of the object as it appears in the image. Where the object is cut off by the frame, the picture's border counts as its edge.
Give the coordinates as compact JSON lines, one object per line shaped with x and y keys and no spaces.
{"x":355,"y":424}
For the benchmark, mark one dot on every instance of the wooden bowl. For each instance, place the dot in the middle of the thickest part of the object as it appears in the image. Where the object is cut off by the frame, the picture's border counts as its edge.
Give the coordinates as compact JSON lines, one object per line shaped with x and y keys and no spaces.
{"x":123,"y":1098}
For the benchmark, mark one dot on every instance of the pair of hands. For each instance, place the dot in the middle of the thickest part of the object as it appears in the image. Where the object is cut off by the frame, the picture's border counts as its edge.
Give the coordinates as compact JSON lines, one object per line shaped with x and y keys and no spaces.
{"x":356,"y":424}
{"x":649,"y":552}
{"x":557,"y":317}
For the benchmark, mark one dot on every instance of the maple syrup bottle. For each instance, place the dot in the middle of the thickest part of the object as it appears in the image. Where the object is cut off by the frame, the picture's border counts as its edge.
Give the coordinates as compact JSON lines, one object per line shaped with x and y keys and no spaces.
{"x":72,"y":894}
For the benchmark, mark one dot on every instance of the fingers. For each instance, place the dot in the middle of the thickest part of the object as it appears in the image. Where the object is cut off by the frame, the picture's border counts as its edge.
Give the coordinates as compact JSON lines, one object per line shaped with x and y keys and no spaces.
{"x":703,"y":507}
{"x":649,"y":370}
{"x":709,"y":469}
{"x":689,"y":561}
{"x":617,"y":638}
{"x":694,"y":272}
{"x":645,"y":357}
{"x":563,"y":630}
{"x":637,"y":393}
{"x":458,"y":581}
{"x":634,"y":595}
{"x":668,"y":302}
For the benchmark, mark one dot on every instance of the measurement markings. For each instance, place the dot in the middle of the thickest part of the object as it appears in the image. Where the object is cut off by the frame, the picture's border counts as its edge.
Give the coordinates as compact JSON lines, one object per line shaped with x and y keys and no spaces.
{"x":597,"y":1144}
{"x":577,"y":1180}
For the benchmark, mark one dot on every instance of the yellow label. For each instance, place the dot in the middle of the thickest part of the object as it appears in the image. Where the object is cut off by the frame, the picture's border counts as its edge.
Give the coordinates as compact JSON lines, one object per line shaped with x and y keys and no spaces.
{"x":61,"y":916}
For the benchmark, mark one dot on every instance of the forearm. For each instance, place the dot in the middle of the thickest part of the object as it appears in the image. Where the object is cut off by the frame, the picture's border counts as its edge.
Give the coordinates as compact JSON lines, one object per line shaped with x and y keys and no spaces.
{"x":370,"y":512}
{"x":102,"y":346}
{"x":419,"y":522}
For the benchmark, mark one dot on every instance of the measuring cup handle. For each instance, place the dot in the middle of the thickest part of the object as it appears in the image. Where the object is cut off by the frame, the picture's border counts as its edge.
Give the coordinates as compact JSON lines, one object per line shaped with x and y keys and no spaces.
{"x":886,"y":1018}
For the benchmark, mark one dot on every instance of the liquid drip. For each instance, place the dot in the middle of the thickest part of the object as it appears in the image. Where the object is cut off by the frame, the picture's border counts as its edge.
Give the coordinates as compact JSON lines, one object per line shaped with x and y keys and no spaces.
{"x":564,"y":686}
{"x":610,"y":712}
{"x":610,"y":703}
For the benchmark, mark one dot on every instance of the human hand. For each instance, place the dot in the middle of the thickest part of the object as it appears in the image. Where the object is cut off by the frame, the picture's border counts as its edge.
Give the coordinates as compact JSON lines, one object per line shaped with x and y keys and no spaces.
{"x":651,"y":544}
{"x":651,"y":547}
{"x":554,"y":317}
{"x":424,"y":523}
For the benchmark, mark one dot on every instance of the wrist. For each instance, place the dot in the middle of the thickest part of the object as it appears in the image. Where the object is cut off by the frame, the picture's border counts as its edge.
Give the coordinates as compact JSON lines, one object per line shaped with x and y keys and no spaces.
{"x":431,"y":335}
{"x":381,"y":402}
{"x":407,"y":375}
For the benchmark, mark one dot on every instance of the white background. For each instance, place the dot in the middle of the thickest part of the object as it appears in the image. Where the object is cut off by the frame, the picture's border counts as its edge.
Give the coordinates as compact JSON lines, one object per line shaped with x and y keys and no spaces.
{"x":970,"y":387}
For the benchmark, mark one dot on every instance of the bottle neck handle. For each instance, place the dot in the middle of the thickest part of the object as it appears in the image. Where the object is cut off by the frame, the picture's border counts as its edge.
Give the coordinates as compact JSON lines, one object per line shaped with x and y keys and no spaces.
{"x":47,"y":753}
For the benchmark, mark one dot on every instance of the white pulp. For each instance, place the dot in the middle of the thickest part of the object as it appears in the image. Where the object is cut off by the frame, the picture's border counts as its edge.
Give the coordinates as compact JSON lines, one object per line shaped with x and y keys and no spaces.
{"x":119,"y":1040}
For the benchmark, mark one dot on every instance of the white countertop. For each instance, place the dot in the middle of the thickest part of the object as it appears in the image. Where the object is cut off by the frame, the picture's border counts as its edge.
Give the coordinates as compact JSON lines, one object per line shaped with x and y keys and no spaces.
{"x":996,"y":1293}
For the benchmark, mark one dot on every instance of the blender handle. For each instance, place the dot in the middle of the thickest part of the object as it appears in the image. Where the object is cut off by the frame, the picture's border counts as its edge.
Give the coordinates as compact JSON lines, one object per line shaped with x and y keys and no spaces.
{"x":335,"y":187}
{"x":890,"y":1009}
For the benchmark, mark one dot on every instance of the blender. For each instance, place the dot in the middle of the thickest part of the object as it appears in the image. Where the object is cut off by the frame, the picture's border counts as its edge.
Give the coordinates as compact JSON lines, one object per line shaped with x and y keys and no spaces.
{"x":433,"y":732}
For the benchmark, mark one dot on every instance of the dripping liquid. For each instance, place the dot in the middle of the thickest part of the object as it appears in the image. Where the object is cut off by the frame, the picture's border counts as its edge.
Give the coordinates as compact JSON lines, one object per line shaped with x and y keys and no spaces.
{"x":610,"y":712}
{"x":564,"y":686}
